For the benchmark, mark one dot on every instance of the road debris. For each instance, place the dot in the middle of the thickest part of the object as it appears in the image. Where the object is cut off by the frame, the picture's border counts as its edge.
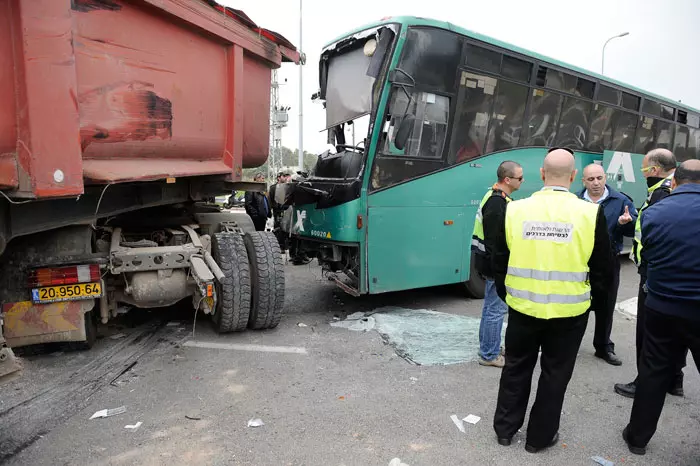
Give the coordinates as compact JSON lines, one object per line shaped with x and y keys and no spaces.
{"x":117,"y":336}
{"x":193,"y":417}
{"x":397,"y":462}
{"x":472,"y":419}
{"x":134,"y":426}
{"x":458,"y":422}
{"x":602,"y":461}
{"x":421,"y":336}
{"x":109,"y":412}
{"x":256,"y":423}
{"x":302,"y":324}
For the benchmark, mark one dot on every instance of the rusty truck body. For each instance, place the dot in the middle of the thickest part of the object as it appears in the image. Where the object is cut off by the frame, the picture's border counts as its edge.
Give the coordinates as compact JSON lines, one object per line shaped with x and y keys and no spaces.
{"x":120,"y":121}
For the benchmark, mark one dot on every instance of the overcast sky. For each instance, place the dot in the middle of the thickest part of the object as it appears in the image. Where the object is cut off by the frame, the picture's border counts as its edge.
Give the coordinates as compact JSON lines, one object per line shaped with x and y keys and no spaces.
{"x":659,"y":55}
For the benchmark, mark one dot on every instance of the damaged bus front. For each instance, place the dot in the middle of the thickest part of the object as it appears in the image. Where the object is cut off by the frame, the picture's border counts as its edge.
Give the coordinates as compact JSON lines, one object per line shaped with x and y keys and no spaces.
{"x":328,"y":217}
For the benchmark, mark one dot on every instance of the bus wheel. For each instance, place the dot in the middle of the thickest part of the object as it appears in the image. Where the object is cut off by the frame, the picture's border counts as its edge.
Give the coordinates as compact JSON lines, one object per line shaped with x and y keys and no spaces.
{"x":267,"y":277}
{"x":233,"y":294}
{"x":476,"y":285}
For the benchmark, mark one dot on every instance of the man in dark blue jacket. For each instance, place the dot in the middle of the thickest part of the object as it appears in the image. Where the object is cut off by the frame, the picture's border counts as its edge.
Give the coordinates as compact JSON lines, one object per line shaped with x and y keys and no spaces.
{"x":620,"y":216}
{"x":670,"y":232}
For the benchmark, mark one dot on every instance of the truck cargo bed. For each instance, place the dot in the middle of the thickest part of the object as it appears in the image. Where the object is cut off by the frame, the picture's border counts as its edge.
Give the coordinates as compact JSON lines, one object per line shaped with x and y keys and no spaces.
{"x":109,"y":91}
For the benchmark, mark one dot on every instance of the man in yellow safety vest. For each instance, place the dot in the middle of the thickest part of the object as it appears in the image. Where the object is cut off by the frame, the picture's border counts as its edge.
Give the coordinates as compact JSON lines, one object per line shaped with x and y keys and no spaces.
{"x":658,"y":167}
{"x":551,"y":263}
{"x":491,"y":213}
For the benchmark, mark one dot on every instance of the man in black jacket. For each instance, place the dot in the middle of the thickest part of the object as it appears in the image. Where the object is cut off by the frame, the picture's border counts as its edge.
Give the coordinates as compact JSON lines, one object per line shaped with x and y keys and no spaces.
{"x":257,"y":206}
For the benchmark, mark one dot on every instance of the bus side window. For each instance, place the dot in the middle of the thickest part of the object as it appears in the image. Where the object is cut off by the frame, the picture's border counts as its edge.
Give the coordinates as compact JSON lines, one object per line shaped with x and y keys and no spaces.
{"x":543,"y":117}
{"x":652,"y":133}
{"x":573,"y":124}
{"x":474,"y":106}
{"x":611,"y":129}
{"x":682,"y":147}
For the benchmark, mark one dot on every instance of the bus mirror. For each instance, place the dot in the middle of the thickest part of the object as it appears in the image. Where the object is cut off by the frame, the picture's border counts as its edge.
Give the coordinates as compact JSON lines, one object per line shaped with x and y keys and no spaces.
{"x":404,"y":131}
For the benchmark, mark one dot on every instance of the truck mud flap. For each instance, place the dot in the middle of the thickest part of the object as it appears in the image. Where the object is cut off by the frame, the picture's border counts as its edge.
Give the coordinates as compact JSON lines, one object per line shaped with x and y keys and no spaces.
{"x":30,"y":324}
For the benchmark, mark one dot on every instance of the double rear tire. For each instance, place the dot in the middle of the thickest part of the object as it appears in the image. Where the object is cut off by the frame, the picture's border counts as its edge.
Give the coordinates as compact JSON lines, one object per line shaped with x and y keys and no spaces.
{"x":252,"y":294}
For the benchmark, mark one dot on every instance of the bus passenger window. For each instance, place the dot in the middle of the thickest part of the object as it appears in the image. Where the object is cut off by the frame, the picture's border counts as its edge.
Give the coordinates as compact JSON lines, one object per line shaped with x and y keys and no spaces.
{"x":543,"y":117}
{"x":507,"y":117}
{"x":652,"y":134}
{"x":611,"y":129}
{"x":474,"y":106}
{"x":681,"y":144}
{"x":573,"y":124}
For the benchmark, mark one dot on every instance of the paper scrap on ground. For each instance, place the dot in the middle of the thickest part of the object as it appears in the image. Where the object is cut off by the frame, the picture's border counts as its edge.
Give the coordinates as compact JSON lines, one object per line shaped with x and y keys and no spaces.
{"x":471,"y":419}
{"x":134,"y":426}
{"x":421,"y":336}
{"x":628,"y":308}
{"x":256,"y":423}
{"x":397,"y":462}
{"x":458,"y":422}
{"x":602,"y":461}
{"x":109,"y":412}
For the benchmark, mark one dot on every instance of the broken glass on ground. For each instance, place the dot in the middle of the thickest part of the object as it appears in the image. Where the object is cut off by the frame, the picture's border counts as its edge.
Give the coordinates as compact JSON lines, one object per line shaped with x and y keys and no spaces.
{"x":421,"y":336}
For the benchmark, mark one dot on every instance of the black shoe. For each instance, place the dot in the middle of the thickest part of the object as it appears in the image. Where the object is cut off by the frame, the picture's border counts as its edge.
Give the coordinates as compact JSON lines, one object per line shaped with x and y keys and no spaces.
{"x":626,"y":389}
{"x":531,"y":449}
{"x":609,"y":357}
{"x":677,"y":387}
{"x":633,"y":449}
{"x":504,"y":441}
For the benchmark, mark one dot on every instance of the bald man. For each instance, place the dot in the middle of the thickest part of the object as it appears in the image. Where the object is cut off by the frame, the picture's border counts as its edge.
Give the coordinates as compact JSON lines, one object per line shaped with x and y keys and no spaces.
{"x":551,"y":264}
{"x":670,"y":232}
{"x":658,"y":167}
{"x":620,"y":216}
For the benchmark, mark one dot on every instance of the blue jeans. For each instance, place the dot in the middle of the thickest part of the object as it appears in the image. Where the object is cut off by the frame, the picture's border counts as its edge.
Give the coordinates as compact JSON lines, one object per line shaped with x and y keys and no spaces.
{"x":491,"y":325}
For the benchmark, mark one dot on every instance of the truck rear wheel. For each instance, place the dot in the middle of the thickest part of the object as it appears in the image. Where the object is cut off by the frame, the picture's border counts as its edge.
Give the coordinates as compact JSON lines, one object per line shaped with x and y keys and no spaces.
{"x":90,"y":322}
{"x":476,"y":285}
{"x":267,"y":270}
{"x":233,"y":294}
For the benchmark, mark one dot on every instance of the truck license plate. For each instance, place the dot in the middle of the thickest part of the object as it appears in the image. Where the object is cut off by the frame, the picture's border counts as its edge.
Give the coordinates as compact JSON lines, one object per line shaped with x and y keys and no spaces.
{"x":53,"y":294}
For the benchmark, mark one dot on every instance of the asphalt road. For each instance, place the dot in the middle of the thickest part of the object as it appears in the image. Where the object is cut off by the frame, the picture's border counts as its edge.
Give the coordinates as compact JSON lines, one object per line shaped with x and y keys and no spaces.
{"x":335,"y":398}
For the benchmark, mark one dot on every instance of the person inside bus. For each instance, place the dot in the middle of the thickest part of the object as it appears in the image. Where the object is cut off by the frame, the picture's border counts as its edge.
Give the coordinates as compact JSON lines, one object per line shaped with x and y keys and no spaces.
{"x":551,"y":264}
{"x":490,"y":215}
{"x":620,"y":216}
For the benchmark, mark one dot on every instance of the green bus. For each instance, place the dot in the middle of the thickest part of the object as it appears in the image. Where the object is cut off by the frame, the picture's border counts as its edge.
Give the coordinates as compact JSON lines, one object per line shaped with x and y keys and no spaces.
{"x":443,"y":107}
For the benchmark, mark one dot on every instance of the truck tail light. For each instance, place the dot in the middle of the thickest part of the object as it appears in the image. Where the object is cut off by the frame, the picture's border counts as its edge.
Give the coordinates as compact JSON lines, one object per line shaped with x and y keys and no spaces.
{"x":64,"y":275}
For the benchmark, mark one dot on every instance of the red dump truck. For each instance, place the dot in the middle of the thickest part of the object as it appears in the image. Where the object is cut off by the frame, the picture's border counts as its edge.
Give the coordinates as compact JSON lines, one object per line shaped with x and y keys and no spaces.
{"x":120,"y":121}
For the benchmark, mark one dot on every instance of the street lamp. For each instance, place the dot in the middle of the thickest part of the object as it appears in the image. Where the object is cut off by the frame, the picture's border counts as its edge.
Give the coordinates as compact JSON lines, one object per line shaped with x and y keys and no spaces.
{"x":602,"y":65}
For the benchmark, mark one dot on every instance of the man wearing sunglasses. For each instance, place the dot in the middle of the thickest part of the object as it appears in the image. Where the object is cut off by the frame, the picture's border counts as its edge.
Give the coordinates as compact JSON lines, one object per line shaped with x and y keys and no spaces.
{"x":658,"y":167}
{"x":490,"y":215}
{"x":620,"y":216}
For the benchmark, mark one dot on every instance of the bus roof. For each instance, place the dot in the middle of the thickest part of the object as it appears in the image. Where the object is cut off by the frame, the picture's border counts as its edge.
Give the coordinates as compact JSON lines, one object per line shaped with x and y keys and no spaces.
{"x":416,"y":21}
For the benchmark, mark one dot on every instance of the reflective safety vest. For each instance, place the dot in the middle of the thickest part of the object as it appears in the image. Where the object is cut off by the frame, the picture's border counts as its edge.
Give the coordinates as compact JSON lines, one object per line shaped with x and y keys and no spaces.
{"x":478,"y":245}
{"x":550,"y":236}
{"x":637,"y":244}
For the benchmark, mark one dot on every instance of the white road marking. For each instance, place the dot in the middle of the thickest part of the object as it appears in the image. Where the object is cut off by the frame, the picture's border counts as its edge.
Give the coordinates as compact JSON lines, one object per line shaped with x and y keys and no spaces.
{"x":628,"y":307}
{"x":244,"y":347}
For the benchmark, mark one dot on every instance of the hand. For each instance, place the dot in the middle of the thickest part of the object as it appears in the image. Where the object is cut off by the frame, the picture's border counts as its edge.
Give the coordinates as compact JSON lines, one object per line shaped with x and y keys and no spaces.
{"x":625,"y":218}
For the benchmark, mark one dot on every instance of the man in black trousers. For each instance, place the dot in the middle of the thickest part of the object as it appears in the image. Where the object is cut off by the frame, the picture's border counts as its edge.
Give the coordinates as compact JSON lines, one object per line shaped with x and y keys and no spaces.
{"x":551,"y":264}
{"x":670,"y":232}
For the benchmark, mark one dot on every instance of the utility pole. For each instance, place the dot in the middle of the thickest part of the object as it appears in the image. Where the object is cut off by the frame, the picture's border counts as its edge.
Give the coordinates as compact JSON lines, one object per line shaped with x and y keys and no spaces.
{"x":301,"y":93}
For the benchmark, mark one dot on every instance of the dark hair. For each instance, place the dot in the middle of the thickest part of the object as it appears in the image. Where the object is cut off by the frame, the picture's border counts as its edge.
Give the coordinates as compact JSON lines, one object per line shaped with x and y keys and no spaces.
{"x":688,"y":172}
{"x":663,"y":158}
{"x":506,"y":170}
